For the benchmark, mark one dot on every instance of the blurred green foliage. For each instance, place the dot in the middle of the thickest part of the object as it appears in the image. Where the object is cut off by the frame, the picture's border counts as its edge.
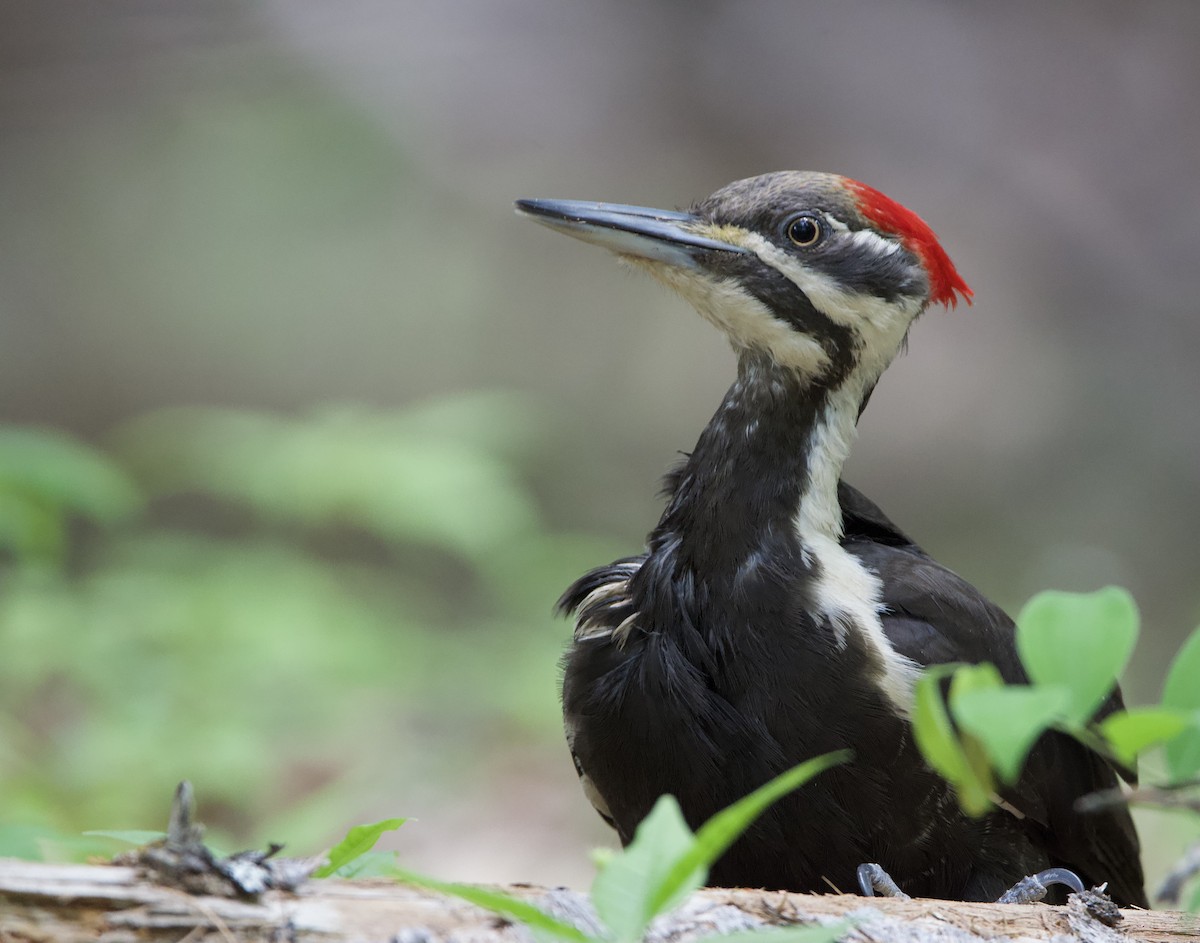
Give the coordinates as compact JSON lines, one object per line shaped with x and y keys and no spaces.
{"x":272,"y":606}
{"x":47,"y":479}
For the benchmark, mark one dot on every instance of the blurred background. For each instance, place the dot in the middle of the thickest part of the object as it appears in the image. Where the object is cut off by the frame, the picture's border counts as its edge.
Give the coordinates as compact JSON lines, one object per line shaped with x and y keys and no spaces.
{"x":305,"y":430}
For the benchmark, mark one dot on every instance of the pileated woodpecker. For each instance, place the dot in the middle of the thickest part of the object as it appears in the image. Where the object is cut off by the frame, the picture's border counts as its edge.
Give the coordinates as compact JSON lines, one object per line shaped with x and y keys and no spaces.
{"x":777,"y":613}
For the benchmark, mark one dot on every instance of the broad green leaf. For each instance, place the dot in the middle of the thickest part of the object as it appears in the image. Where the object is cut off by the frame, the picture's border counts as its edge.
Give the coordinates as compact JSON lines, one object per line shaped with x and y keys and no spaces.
{"x":976,"y":794}
{"x":358,"y":841}
{"x":1133,"y":731}
{"x":533,"y":917}
{"x":1081,"y":641}
{"x":723,"y":829}
{"x":982,"y":677}
{"x":941,"y":747}
{"x":130,"y":836}
{"x":1008,"y":720}
{"x":626,"y":892}
{"x":1182,"y":691}
{"x":809,"y":934}
{"x":932,"y":728}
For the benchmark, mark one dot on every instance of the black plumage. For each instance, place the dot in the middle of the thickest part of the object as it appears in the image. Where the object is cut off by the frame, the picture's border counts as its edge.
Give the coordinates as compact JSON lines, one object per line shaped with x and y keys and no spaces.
{"x":777,"y":613}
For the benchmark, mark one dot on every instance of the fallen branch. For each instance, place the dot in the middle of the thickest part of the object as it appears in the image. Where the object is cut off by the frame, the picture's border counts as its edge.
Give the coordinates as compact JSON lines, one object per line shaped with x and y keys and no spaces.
{"x":76,"y":903}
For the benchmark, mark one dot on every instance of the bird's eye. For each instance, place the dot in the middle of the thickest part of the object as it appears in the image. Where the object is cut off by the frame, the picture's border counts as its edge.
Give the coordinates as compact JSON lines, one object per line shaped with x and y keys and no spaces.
{"x":804,"y":231}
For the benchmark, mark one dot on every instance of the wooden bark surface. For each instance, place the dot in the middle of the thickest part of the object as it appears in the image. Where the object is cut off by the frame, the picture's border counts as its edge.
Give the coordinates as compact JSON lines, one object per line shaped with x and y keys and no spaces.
{"x":50,"y":903}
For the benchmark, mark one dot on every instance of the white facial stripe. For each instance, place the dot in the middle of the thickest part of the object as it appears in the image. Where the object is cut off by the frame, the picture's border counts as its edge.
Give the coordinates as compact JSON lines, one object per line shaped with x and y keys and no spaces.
{"x":745,"y":320}
{"x":879,"y":325}
{"x":849,"y":309}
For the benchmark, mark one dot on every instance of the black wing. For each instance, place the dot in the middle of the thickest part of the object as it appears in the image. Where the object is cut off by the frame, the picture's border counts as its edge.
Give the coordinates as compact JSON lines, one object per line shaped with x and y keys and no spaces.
{"x":933,"y":616}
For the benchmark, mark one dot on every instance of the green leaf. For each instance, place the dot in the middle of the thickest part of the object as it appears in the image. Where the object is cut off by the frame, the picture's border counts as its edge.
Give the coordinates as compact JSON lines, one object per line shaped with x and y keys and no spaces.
{"x":809,"y":934}
{"x":533,"y":917}
{"x":941,"y":747}
{"x":932,"y":729}
{"x":358,"y":841}
{"x":1081,"y":641}
{"x":626,"y":891}
{"x":131,"y":836}
{"x":1008,"y":720}
{"x":665,"y":862}
{"x":1133,"y":731}
{"x":967,"y":678}
{"x":723,"y":829}
{"x":372,"y":864}
{"x":1182,"y":691}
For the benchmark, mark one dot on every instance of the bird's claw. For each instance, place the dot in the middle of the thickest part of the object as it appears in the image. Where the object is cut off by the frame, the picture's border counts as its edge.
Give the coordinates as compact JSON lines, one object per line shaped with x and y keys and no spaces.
{"x":1033,"y":888}
{"x":872,"y":878}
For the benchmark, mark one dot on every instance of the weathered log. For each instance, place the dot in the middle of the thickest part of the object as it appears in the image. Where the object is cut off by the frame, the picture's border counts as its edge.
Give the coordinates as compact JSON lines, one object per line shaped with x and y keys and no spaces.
{"x":52,"y":903}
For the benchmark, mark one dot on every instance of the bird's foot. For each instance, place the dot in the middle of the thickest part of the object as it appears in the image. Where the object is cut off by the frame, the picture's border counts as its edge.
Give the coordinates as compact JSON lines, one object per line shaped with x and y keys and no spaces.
{"x":872,"y":878}
{"x":1033,"y":888}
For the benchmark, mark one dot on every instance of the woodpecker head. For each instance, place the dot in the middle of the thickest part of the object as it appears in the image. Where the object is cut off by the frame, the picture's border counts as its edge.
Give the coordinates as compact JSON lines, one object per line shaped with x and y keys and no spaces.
{"x":819,"y":273}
